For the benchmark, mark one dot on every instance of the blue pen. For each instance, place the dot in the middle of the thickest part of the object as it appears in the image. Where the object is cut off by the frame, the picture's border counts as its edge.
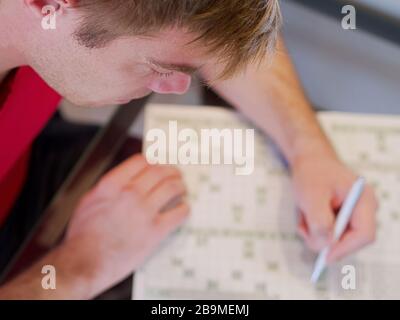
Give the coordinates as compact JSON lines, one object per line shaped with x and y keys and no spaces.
{"x":341,"y":223}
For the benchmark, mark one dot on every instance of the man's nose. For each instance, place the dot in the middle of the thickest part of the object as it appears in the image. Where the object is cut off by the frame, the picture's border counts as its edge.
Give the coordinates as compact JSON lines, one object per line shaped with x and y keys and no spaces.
{"x":176,"y":84}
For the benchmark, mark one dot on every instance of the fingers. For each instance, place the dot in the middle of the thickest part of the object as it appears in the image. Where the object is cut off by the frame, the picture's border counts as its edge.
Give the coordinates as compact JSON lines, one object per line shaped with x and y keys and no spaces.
{"x":318,"y":223}
{"x":302,"y":227}
{"x":165,"y":192}
{"x":152,"y":175}
{"x":118,"y":177}
{"x":137,"y":175}
{"x":351,"y":241}
{"x":302,"y":230}
{"x":362,"y":230}
{"x":170,"y":220}
{"x":155,"y":186}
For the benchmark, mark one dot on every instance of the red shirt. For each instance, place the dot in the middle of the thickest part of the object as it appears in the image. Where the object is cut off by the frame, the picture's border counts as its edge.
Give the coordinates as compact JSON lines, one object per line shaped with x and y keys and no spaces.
{"x":26,"y":104}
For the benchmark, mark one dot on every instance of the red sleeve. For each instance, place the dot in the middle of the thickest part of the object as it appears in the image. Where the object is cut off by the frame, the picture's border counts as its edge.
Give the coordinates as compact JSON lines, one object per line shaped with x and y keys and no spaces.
{"x":28,"y":105}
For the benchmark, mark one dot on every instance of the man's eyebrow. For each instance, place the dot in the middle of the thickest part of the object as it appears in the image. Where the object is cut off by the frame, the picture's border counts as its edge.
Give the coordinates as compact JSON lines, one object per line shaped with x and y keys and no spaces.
{"x":175,"y":67}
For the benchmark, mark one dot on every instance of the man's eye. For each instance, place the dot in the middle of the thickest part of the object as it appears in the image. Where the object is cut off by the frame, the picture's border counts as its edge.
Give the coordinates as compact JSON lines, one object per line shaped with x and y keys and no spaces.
{"x":163,"y":74}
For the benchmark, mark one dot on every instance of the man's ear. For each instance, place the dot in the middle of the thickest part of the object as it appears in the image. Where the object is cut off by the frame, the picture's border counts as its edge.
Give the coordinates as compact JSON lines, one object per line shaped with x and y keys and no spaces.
{"x":59,"y":5}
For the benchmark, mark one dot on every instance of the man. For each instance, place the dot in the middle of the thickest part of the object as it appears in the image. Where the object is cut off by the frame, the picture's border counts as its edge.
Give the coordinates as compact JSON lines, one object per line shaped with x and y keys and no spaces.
{"x":106,"y":52}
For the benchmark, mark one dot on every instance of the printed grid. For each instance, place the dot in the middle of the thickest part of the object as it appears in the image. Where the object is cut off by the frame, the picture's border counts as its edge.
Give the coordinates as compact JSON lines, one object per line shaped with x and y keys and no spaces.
{"x":240,"y":241}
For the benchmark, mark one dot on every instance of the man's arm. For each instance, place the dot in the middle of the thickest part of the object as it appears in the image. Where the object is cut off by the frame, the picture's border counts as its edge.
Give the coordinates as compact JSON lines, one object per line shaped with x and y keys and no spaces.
{"x":75,"y":276}
{"x":271,"y":95}
{"x":116,"y":227}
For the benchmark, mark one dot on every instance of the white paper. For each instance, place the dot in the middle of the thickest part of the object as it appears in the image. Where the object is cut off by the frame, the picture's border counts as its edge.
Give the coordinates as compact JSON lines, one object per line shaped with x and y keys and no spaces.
{"x":240,"y":241}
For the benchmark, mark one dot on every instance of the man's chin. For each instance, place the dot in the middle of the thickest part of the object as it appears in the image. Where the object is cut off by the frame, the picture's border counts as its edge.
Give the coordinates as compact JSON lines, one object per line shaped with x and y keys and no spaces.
{"x":89,"y":104}
{"x":106,"y":103}
{"x":142,"y":94}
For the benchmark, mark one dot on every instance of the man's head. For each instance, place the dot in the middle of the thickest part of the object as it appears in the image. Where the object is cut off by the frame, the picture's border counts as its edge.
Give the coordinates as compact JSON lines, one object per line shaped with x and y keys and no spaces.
{"x":112,"y":51}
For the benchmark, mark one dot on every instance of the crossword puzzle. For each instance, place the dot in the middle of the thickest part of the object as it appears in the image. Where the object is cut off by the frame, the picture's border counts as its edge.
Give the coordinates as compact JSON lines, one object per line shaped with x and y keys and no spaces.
{"x":240,"y":241}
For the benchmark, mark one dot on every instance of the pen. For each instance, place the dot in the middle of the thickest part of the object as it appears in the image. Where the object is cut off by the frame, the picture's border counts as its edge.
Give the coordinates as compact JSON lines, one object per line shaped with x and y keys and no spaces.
{"x":341,"y":223}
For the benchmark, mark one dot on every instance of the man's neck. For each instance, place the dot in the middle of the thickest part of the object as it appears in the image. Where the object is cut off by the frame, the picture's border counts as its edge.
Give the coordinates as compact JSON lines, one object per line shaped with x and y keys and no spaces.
{"x":7,"y":63}
{"x":10,"y":57}
{"x":2,"y":76}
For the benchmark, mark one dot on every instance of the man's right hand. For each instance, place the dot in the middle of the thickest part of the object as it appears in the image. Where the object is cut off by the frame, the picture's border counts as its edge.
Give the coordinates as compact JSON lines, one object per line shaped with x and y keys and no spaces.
{"x":119,"y":223}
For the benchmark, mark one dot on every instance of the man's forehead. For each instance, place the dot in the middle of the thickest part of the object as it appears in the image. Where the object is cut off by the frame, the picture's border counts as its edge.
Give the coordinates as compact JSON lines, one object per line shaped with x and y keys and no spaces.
{"x":181,"y":45}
